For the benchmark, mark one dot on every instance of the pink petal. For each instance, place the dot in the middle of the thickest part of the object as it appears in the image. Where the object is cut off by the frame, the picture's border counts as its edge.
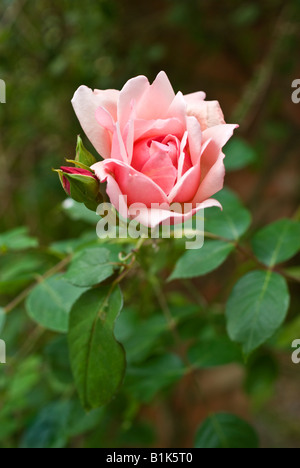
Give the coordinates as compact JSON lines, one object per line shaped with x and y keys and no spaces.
{"x":220,"y":134}
{"x":156,"y":100}
{"x":178,"y":108}
{"x":174,"y":148}
{"x":213,"y":173}
{"x":85,"y":103}
{"x":118,"y":200}
{"x":155,"y":216}
{"x":193,"y":98}
{"x":105,"y":119}
{"x":186,"y":188}
{"x":211,"y":164}
{"x":194,"y":138}
{"x":118,"y":149}
{"x":132,"y":91}
{"x":109,"y":99}
{"x":208,"y":113}
{"x":159,"y":127}
{"x":136,"y":186}
{"x":160,"y":169}
{"x":182,"y":155}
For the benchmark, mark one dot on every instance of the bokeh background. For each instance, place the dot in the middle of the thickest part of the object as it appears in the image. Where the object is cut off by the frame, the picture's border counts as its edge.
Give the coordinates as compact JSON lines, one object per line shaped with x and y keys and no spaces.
{"x":244,"y":54}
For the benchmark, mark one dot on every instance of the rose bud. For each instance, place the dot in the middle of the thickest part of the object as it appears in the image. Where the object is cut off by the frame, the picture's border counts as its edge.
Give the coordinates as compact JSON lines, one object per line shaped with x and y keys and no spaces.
{"x":81,"y":185}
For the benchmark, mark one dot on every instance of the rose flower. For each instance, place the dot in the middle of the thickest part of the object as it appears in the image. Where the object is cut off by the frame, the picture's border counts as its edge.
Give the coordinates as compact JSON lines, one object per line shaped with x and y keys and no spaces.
{"x":162,"y":153}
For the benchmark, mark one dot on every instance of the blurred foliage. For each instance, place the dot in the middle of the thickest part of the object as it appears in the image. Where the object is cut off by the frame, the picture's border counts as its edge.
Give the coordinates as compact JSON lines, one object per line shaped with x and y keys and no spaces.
{"x":240,"y":52}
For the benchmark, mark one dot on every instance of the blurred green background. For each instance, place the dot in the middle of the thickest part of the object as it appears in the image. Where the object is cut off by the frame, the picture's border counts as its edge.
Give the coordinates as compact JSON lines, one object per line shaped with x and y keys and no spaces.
{"x":243,"y":53}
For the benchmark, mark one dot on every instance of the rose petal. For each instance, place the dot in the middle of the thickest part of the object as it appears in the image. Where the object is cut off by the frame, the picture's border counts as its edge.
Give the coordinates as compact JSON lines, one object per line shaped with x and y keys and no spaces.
{"x":117,"y":199}
{"x":136,"y":186}
{"x":178,"y":108}
{"x":194,"y":138}
{"x":193,"y":98}
{"x":132,"y":91}
{"x":85,"y":103}
{"x":212,"y":172}
{"x":155,"y":216}
{"x":105,"y":119}
{"x":160,"y":169}
{"x":208,"y":113}
{"x":186,"y":188}
{"x":159,"y":127}
{"x":118,"y":149}
{"x":220,"y":134}
{"x":157,"y":98}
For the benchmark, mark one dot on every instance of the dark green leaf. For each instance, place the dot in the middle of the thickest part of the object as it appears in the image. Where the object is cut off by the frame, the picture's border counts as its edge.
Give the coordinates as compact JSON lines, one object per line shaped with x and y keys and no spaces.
{"x":139,"y":338}
{"x":225,"y":430}
{"x":97,"y":359}
{"x":49,"y":429}
{"x":2,"y":318}
{"x":239,"y":154}
{"x":17,"y":239}
{"x":57,"y":357}
{"x":20,"y":269}
{"x":79,"y":212}
{"x":199,"y":262}
{"x":90,"y":267}
{"x":277,"y":242}
{"x":232,"y":222}
{"x":50,"y":302}
{"x":215,"y":352}
{"x":262,"y":373}
{"x":145,"y":380}
{"x":256,"y":308}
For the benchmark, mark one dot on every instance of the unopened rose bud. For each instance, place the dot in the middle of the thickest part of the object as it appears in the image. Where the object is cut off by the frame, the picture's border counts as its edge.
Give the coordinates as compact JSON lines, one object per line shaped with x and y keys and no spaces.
{"x":81,"y":185}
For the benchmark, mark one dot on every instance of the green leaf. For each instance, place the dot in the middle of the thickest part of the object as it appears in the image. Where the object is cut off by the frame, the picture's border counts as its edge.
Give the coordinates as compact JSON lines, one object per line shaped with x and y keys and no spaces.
{"x":79,"y":212}
{"x":57,"y":357}
{"x":50,"y":302}
{"x":277,"y":242}
{"x":24,"y":380}
{"x":69,"y":246}
{"x":2,"y":318}
{"x":49,"y":429}
{"x":17,"y":239}
{"x":90,"y":267}
{"x":139,"y":337}
{"x":97,"y":359}
{"x":256,"y":308}
{"x":145,"y":380}
{"x":18,"y":269}
{"x":199,"y":262}
{"x":239,"y":154}
{"x":293,"y":272}
{"x":224,"y":430}
{"x":286,"y":335}
{"x":232,"y":222}
{"x":83,"y":156}
{"x":215,"y":352}
{"x":262,"y":373}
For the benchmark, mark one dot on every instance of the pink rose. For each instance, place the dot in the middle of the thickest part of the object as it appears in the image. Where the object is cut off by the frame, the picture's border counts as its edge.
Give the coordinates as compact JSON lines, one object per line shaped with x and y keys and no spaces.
{"x":160,"y":150}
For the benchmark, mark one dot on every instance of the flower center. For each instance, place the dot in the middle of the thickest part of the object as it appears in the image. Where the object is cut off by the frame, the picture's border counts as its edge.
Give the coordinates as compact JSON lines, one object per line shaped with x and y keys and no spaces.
{"x":163,"y":159}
